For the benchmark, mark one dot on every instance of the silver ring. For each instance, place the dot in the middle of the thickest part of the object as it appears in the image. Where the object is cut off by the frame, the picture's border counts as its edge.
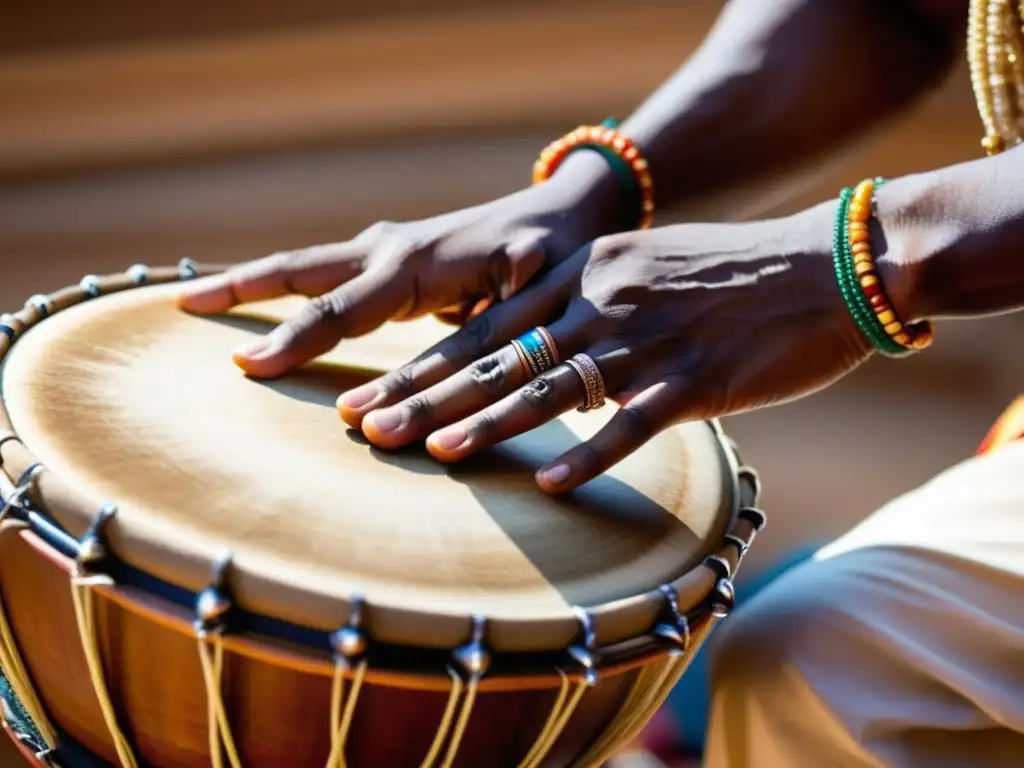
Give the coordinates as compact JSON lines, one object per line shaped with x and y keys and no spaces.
{"x":593,"y":381}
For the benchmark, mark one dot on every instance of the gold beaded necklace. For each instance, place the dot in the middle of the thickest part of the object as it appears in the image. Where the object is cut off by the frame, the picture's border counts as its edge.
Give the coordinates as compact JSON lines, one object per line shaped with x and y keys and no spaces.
{"x":995,"y":52}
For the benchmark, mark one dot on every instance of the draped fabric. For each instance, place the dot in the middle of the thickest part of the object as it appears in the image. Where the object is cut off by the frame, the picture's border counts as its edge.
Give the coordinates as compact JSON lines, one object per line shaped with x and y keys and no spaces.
{"x":1008,"y":428}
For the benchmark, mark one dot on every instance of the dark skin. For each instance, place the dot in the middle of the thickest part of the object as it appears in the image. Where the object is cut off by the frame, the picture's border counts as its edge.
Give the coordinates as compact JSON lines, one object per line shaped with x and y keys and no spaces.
{"x":688,"y":321}
{"x":698,"y":321}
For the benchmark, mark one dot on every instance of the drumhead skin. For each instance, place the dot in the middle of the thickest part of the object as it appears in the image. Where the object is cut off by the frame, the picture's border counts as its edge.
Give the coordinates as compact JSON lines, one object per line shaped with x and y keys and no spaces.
{"x":128,"y":400}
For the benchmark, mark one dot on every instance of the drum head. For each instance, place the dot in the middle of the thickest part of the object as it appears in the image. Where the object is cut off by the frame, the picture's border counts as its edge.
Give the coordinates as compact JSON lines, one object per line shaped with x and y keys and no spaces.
{"x":130,"y":400}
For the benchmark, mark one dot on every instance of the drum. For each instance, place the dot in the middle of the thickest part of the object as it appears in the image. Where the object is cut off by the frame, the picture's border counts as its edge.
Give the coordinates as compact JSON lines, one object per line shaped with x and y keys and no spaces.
{"x":197,"y":568}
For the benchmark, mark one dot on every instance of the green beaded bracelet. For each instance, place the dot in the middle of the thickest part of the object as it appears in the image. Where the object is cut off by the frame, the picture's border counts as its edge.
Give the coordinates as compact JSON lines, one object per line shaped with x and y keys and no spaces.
{"x":856,"y":302}
{"x":875,"y":332}
{"x":633,"y":210}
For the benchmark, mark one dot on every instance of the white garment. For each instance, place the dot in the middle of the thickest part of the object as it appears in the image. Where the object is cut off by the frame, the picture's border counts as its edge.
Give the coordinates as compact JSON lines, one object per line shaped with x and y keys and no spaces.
{"x":900,"y":645}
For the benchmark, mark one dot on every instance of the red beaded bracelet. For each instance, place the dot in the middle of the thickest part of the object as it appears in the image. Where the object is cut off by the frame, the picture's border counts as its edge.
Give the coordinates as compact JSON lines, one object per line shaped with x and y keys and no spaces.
{"x":608,"y":141}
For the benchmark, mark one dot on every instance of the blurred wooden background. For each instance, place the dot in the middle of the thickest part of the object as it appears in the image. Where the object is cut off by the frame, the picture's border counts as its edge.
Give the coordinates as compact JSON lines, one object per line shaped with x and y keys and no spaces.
{"x":225,"y":131}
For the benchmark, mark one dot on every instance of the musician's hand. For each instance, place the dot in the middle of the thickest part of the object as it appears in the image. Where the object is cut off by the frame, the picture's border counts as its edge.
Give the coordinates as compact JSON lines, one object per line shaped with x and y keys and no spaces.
{"x":686,"y":322}
{"x":451,"y":263}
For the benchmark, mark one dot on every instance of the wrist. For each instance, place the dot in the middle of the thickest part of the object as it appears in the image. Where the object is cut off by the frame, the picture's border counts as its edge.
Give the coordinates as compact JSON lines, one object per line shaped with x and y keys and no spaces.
{"x":813,"y":244}
{"x":910,"y":237}
{"x":586,"y":179}
{"x":585,"y":197}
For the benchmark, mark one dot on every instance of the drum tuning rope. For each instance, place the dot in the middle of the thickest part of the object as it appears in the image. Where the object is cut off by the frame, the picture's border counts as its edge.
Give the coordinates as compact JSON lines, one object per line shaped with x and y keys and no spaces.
{"x":10,"y":657}
{"x":648,"y":692}
{"x":537,"y":751}
{"x":82,"y":596}
{"x":472,"y":660}
{"x":445,"y":725}
{"x":561,"y":713}
{"x":655,"y":681}
{"x":584,"y":655}
{"x":460,"y":725}
{"x":350,"y":646}
{"x":212,"y":607}
{"x":221,"y":741}
{"x":339,"y":732}
{"x":91,"y":553}
{"x":21,"y":685}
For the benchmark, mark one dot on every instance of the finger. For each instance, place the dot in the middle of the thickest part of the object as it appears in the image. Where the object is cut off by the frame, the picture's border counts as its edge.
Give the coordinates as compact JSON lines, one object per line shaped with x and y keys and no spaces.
{"x":538,"y":402}
{"x":309,"y":272}
{"x":630,"y":427}
{"x":350,"y":310}
{"x":479,"y":337}
{"x":456,"y":397}
{"x":525,"y":257}
{"x":472,"y":389}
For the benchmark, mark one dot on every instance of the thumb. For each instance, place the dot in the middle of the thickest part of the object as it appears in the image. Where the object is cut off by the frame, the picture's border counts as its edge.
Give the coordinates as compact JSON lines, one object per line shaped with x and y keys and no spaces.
{"x":526,"y":255}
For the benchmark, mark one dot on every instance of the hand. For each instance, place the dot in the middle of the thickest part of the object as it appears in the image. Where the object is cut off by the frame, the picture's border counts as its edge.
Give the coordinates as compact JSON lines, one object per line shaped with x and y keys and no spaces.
{"x":685,"y":322}
{"x":458,"y":263}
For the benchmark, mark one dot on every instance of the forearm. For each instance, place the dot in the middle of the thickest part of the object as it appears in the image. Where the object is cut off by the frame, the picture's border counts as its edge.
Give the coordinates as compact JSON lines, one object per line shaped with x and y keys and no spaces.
{"x":952,"y":241}
{"x":780,"y":84}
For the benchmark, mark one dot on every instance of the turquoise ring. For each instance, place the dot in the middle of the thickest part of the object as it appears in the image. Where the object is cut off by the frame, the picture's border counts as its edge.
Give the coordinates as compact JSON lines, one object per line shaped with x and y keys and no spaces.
{"x":538,"y":349}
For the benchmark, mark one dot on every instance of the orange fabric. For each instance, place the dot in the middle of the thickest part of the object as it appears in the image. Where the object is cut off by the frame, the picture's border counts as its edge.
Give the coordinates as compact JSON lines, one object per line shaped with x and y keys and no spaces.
{"x":1008,"y":428}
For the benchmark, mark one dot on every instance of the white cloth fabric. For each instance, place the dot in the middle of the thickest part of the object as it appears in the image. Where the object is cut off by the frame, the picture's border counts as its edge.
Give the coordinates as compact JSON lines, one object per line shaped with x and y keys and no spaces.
{"x":901,"y":645}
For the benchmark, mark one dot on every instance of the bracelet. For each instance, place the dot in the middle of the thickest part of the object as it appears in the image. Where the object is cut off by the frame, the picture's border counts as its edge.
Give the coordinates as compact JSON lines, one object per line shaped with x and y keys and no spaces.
{"x":859,"y":281}
{"x":849,"y":286}
{"x":912,"y":336}
{"x":623,"y":157}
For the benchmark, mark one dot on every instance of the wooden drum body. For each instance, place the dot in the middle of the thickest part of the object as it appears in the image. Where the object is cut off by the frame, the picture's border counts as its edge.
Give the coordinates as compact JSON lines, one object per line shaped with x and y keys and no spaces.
{"x":201,"y":569}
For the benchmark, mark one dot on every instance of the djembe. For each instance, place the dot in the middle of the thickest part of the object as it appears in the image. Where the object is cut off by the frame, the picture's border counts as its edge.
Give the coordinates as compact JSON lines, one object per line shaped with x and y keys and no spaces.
{"x":198,"y":568}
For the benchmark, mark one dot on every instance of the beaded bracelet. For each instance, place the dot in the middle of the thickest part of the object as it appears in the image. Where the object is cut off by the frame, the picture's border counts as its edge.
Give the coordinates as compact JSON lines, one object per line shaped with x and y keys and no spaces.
{"x":859,"y":282}
{"x":620,"y":152}
{"x":849,"y":286}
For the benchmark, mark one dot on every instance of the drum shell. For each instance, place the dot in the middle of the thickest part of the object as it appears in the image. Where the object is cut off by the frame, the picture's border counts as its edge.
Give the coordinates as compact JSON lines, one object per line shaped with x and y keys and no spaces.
{"x":277,"y":695}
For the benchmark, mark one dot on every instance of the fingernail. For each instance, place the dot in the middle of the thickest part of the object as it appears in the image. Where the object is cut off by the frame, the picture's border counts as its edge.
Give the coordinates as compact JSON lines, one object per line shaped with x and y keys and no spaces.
{"x":253,"y":349}
{"x":555,"y":475}
{"x":386,"y":421}
{"x":450,"y":439}
{"x":357,"y":398}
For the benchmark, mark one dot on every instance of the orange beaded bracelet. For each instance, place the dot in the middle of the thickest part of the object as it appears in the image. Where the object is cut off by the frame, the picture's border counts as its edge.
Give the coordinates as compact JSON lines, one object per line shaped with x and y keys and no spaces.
{"x":615,"y":147}
{"x":910,"y":336}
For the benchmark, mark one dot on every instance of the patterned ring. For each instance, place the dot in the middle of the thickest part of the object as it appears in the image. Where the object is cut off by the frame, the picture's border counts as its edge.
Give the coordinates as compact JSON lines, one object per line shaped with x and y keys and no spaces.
{"x":549,"y":342}
{"x":540,"y":350}
{"x":593,"y":381}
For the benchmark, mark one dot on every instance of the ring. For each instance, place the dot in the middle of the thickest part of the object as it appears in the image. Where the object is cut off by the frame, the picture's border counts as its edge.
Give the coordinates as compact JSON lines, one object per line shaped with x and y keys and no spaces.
{"x":521,"y":354}
{"x":593,"y":381}
{"x":538,"y":350}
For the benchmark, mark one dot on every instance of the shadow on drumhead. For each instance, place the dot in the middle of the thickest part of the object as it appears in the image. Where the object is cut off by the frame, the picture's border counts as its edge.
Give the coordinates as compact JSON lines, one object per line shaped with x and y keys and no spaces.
{"x":569,"y":539}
